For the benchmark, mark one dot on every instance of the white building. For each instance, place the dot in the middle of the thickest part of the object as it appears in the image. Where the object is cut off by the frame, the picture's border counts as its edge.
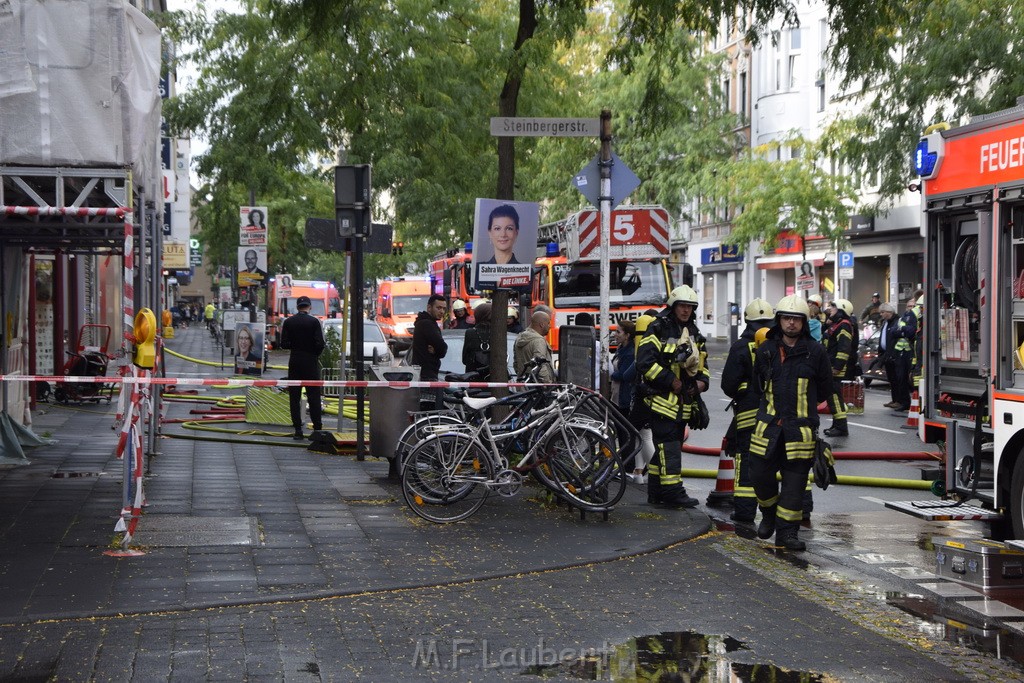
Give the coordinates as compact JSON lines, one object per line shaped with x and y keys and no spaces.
{"x":783,"y":87}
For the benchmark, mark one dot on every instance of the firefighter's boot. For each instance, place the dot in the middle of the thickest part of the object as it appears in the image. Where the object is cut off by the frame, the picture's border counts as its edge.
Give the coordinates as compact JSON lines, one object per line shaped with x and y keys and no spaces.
{"x":675,"y":497}
{"x":766,"y":528}
{"x":786,"y":536}
{"x":653,"y":489}
{"x":838,"y":428}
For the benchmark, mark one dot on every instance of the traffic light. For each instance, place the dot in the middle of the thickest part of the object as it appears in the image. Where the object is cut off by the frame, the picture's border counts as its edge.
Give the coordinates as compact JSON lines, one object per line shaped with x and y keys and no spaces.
{"x":352,"y":194}
{"x":396,"y":248}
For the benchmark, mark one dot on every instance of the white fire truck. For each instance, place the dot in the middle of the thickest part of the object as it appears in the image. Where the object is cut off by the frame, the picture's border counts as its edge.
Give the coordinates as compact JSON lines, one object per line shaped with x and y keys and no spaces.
{"x":972,"y":392}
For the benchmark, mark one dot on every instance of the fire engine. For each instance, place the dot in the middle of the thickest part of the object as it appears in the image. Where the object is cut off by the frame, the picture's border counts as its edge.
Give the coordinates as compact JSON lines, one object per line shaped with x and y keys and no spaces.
{"x":972,"y":389}
{"x":566,"y":274}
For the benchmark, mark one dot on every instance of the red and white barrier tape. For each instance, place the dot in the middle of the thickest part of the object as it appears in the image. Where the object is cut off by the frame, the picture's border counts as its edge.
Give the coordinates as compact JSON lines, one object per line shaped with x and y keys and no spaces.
{"x":235,"y":382}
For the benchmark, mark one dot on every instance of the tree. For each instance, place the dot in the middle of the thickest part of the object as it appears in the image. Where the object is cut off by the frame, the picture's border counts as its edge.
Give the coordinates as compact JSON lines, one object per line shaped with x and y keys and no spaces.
{"x":795,"y":195}
{"x":919,"y":63}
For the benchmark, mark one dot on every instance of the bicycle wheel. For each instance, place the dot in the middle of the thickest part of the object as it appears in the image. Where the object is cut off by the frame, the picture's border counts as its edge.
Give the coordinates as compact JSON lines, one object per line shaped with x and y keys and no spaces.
{"x":445,"y":478}
{"x":586,"y":468}
{"x":420,"y":429}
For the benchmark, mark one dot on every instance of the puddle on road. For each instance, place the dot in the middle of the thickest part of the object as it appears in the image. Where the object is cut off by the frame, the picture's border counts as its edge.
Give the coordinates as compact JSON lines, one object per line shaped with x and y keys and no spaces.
{"x":988,"y":639}
{"x":670,"y":657}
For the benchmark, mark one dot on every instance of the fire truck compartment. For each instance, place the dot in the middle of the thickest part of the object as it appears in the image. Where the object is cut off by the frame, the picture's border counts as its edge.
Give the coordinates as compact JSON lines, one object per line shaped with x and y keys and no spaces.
{"x":980,"y":562}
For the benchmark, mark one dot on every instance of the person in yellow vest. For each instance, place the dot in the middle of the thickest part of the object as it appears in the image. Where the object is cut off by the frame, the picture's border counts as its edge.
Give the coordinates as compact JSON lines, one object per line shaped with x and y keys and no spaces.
{"x":208,"y":314}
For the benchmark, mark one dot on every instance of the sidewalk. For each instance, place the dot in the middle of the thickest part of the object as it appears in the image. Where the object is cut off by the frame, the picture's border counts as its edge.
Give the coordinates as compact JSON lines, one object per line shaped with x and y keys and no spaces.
{"x":236,"y":523}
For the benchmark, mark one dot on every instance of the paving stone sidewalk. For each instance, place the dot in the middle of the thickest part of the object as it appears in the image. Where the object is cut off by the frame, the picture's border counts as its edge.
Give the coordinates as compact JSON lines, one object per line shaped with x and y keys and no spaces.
{"x":254,"y":517}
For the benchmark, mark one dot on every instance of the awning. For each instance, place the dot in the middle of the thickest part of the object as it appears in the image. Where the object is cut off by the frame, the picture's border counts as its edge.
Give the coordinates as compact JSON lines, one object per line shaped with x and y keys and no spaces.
{"x":780,"y":261}
{"x":725,"y":267}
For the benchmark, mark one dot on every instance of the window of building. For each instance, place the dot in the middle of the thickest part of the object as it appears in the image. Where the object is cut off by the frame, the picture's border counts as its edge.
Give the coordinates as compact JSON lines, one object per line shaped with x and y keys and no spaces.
{"x":743,"y":94}
{"x":821,"y":94}
{"x":795,"y":38}
{"x":794,"y":71}
{"x":726,"y":92}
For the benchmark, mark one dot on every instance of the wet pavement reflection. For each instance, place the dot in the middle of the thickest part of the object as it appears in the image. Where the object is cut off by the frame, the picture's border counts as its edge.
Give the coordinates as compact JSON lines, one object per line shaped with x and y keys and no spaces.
{"x":670,"y":657}
{"x":989,"y":639}
{"x":893,"y":542}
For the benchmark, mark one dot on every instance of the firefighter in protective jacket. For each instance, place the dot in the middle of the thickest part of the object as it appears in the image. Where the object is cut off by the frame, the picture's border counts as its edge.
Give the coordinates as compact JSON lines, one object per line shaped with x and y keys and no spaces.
{"x":791,"y":376}
{"x":838,"y":340}
{"x":671,"y":364}
{"x":736,"y":378}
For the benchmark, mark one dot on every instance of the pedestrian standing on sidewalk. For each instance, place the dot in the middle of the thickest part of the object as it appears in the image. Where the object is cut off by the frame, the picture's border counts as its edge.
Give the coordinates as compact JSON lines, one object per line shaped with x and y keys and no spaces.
{"x":533,"y":343}
{"x":817,"y":318}
{"x":791,"y":376}
{"x":623,"y":366}
{"x":208,"y":314}
{"x":672,"y":364}
{"x":639,"y":413}
{"x":895,"y":341}
{"x":428,"y":346}
{"x":303,"y":335}
{"x":737,"y":376}
{"x":476,"y":345}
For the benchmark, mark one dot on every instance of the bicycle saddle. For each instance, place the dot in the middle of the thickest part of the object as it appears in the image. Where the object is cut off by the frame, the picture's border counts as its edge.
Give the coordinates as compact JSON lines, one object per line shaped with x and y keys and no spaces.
{"x":479,"y":403}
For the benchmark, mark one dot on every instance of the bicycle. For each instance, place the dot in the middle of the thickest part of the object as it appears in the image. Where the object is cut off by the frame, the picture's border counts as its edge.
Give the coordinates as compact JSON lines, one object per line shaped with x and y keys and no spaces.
{"x":448,"y":476}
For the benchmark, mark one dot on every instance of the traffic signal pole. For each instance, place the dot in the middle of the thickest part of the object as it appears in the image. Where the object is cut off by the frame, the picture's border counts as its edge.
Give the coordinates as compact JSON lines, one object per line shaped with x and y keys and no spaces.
{"x":606,"y":229}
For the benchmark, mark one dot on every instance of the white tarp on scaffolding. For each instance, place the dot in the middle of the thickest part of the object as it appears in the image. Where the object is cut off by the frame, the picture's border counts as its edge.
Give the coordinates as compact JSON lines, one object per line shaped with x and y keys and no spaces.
{"x":79,"y":85}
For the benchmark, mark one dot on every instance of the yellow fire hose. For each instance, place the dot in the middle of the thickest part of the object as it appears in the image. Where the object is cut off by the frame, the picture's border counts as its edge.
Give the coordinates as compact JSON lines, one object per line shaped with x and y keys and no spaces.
{"x":847,"y":480}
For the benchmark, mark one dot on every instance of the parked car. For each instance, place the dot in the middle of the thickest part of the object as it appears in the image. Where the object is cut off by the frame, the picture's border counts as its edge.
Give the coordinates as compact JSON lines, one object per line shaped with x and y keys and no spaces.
{"x":452,"y":361}
{"x":375,"y":346}
{"x":870,"y":360}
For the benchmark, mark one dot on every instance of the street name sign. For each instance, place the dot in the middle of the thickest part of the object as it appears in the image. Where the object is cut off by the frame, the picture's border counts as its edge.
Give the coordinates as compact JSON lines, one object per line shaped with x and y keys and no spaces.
{"x":516,"y":126}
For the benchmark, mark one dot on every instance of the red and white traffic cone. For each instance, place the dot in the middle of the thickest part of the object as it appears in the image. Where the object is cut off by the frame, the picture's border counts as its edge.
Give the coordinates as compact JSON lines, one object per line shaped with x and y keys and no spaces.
{"x":725,"y":483}
{"x":914,"y":412}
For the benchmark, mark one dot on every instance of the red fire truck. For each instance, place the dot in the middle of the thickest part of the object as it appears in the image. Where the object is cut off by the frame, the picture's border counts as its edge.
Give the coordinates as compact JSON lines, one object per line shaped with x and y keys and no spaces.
{"x":972,"y":392}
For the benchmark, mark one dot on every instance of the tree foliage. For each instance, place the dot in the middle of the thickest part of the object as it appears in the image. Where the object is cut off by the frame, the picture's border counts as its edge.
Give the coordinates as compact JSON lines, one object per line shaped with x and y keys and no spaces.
{"x":770,"y":196}
{"x":919,"y":63}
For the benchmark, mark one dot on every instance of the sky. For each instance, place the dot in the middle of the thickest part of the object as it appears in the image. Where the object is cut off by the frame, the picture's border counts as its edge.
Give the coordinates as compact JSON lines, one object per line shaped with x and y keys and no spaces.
{"x":186,"y":75}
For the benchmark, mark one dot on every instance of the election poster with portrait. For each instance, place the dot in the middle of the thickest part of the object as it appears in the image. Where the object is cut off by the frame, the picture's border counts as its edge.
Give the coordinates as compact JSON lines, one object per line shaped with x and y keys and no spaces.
{"x":504,"y":243}
{"x":249,"y":348}
{"x":252,"y":266}
{"x":252,"y":226}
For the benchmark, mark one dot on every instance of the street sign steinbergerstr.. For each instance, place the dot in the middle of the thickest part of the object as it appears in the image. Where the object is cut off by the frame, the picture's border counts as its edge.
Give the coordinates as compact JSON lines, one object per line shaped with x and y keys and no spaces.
{"x":515,"y":126}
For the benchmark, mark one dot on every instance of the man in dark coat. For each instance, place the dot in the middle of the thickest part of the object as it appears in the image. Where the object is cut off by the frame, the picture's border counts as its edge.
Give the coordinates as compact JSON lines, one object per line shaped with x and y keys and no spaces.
{"x":428,"y":346}
{"x":304,"y":336}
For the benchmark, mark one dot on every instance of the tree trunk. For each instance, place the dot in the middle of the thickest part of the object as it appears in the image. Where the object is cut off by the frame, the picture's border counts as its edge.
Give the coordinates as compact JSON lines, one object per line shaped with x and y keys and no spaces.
{"x":508,"y":104}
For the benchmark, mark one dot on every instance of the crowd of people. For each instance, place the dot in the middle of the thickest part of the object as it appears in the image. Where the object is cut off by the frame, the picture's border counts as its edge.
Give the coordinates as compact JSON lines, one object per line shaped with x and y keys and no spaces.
{"x":790,"y":359}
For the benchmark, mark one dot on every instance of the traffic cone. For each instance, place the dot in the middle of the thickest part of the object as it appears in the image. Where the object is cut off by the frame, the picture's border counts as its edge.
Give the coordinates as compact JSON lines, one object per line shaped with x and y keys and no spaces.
{"x":725,"y":482}
{"x":914,"y":412}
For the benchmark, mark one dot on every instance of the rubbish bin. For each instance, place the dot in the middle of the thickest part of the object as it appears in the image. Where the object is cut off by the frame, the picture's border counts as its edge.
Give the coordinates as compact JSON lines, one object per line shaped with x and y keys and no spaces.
{"x":388,"y":409}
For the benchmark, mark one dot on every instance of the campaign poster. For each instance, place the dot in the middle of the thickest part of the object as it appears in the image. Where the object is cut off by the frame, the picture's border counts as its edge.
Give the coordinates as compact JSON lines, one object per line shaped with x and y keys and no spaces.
{"x":252,"y":266}
{"x":249,"y":348}
{"x":504,"y":243}
{"x":252,"y":226}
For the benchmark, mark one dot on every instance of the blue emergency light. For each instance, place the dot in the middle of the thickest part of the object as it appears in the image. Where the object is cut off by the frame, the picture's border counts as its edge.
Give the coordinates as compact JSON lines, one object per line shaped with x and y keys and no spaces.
{"x":469,"y":247}
{"x":924,"y":161}
{"x":552,"y":249}
{"x":929,"y":152}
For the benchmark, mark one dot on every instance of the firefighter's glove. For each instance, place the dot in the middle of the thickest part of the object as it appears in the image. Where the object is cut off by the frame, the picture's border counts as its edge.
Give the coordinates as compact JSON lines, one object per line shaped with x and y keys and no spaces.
{"x":692,"y":365}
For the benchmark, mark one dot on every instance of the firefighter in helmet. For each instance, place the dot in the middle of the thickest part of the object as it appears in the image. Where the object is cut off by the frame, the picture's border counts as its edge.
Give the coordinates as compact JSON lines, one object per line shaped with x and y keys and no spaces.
{"x":838,"y":340}
{"x":736,"y":376}
{"x":671,"y":364}
{"x":791,"y":376}
{"x":460,"y":313}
